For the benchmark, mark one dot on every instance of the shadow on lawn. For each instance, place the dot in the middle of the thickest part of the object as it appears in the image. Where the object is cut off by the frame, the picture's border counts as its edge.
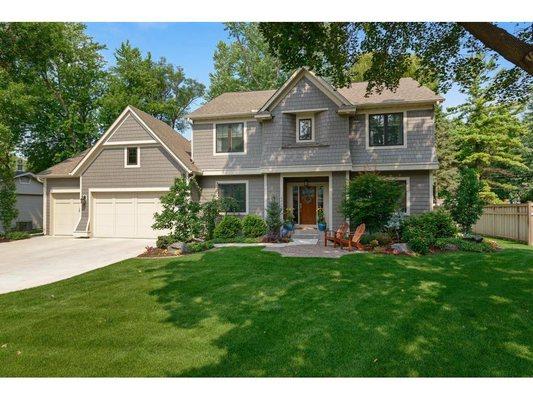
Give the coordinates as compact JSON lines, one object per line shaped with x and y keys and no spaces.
{"x":361,"y":315}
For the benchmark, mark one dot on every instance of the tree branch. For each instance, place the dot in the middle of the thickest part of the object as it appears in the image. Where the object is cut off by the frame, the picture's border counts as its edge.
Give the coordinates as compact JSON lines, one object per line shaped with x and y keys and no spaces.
{"x":502,"y":42}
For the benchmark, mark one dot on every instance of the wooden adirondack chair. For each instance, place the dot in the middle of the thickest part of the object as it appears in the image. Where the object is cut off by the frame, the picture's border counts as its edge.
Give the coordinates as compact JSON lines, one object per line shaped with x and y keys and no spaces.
{"x":353,"y":240}
{"x":336,"y":236}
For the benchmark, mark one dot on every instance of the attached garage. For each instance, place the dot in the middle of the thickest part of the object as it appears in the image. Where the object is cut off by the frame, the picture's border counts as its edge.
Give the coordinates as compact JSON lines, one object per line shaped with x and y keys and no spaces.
{"x":65,"y":213}
{"x":125,"y":214}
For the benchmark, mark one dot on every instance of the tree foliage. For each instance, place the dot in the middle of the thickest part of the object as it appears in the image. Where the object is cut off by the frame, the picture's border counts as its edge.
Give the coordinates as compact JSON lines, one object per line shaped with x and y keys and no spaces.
{"x":244,"y":63}
{"x":488,"y":137}
{"x":466,"y":204}
{"x":370,"y":199}
{"x":156,"y":87}
{"x":60,"y":69}
{"x":444,"y":51}
{"x":8,"y":197}
{"x":179,"y":214}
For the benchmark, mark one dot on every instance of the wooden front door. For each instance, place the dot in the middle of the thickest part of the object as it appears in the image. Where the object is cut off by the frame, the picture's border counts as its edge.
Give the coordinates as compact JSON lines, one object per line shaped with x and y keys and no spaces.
{"x":307,"y":205}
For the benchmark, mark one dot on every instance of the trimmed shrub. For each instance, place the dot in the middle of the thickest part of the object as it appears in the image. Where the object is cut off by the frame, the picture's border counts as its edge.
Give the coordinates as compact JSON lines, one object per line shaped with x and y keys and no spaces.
{"x":163,"y":242}
{"x":253,"y":226}
{"x":196,"y":247}
{"x":17,"y":235}
{"x":371,"y":199}
{"x":273,"y":217}
{"x":229,"y":227}
{"x":421,"y":231}
{"x":383,"y":238}
{"x":467,"y":245}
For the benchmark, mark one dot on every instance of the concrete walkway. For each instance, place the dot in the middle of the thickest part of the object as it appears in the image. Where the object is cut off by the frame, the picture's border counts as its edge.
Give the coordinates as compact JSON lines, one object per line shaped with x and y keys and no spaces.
{"x":45,"y":259}
{"x":309,"y":250}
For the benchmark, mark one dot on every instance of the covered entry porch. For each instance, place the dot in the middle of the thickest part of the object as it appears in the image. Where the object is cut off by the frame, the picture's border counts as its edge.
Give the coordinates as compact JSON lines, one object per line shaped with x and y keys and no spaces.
{"x":305,"y":194}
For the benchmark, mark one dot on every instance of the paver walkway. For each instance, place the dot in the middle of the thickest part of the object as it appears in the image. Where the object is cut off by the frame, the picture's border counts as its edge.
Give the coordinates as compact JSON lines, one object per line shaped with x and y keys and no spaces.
{"x":309,"y":250}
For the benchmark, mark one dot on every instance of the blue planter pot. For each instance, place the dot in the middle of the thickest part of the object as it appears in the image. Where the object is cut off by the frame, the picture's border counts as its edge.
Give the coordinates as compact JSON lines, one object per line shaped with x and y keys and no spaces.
{"x":322,"y":226}
{"x":289,"y":226}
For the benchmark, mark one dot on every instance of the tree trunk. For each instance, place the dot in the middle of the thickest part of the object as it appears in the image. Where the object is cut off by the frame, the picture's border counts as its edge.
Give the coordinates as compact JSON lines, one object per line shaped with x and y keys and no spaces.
{"x":502,"y":42}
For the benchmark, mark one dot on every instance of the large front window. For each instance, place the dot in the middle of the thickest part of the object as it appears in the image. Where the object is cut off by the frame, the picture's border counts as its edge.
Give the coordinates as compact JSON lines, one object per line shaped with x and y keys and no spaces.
{"x":386,"y":129}
{"x":230,"y":138}
{"x":235,"y":193}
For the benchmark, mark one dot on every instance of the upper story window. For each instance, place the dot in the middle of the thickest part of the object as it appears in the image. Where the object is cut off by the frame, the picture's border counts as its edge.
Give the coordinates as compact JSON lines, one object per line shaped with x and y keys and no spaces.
{"x":386,"y":130}
{"x":25,"y":180}
{"x":305,"y":130}
{"x":20,"y":165}
{"x":132,"y":157}
{"x":229,"y":138}
{"x":237,"y":191}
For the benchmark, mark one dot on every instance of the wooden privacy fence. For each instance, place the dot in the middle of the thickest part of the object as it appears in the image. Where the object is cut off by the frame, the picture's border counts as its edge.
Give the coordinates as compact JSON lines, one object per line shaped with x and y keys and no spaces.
{"x":508,"y":221}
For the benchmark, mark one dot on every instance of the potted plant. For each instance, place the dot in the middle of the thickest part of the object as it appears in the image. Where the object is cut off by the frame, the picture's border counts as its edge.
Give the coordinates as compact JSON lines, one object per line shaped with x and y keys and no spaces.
{"x":289,"y":220}
{"x":321,"y":220}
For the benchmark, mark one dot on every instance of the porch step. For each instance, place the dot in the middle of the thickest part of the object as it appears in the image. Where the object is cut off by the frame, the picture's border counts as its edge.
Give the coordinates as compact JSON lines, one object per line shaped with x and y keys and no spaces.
{"x":306,"y":233}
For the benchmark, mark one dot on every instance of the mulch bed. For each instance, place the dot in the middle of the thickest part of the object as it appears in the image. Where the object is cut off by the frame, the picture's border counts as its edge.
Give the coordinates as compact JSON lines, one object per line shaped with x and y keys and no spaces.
{"x":154,"y":252}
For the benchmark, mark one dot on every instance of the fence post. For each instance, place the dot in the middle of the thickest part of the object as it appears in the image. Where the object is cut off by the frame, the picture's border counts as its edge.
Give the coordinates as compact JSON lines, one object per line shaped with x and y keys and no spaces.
{"x":530,"y":223}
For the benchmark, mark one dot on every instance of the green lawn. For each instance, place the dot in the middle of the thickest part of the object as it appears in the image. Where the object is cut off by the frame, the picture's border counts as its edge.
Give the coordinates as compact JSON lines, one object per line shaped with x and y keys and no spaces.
{"x":244,"y":312}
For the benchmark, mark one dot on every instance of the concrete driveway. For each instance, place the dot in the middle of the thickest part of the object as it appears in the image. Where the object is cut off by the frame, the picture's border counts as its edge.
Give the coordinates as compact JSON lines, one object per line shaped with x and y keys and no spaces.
{"x":46,"y":259}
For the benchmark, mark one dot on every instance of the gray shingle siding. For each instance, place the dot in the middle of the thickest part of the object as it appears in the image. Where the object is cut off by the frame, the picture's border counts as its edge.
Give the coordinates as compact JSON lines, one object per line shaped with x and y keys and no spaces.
{"x":158,"y":169}
{"x":420,"y":134}
{"x":338,"y":184}
{"x":203,"y":147}
{"x":130,"y":130}
{"x":255,"y":189}
{"x":331,"y":131}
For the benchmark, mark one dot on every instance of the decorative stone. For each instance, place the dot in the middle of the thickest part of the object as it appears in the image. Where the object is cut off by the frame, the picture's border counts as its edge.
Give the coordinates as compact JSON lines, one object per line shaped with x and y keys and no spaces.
{"x":451,"y":247}
{"x":400,"y":248}
{"x":178,"y":246}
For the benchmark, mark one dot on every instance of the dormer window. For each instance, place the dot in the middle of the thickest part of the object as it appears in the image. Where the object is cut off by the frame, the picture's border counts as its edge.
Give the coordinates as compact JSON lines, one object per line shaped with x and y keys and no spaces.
{"x":305,"y":130}
{"x":132,"y":157}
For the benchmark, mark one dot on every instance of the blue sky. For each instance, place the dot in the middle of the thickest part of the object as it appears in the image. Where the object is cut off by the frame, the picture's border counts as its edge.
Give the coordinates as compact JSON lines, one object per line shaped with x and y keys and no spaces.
{"x":189,"y":45}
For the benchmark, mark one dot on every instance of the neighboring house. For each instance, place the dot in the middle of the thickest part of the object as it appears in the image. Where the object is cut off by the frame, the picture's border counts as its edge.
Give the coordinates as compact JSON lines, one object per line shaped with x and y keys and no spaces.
{"x":299,"y":144}
{"x":29,"y":204}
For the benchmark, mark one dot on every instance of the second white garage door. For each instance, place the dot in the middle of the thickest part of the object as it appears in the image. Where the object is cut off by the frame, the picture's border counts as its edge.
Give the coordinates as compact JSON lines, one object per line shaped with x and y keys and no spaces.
{"x":125,"y":215}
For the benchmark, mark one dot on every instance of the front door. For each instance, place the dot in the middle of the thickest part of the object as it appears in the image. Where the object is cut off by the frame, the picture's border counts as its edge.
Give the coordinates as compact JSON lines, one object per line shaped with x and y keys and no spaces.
{"x":307,"y":205}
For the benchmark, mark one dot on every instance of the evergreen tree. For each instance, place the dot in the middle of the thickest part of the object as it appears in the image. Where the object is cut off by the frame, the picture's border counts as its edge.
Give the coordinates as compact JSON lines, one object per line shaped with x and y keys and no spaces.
{"x":8,"y":197}
{"x":273,"y":217}
{"x":488,"y":137}
{"x":466,"y":204}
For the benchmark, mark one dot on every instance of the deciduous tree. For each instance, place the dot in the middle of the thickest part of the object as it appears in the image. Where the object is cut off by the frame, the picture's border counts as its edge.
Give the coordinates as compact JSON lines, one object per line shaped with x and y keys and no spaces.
{"x":244,"y":63}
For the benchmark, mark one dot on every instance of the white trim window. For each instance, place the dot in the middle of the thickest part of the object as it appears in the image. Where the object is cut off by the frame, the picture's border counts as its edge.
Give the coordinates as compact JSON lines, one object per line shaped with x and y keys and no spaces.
{"x":132,"y":157}
{"x":237,"y":190}
{"x":386,"y":130}
{"x":404,"y":201}
{"x":229,"y":138}
{"x":25,"y":180}
{"x":20,"y":165}
{"x":305,"y":129}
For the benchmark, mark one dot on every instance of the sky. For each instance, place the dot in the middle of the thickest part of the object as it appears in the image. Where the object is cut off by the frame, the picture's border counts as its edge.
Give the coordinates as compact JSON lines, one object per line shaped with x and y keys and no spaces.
{"x":189,"y":45}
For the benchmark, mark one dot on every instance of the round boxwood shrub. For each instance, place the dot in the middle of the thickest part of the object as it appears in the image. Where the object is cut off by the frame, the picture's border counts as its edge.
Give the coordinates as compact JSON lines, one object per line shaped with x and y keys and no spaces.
{"x":253,"y":226}
{"x":229,"y":227}
{"x":421,"y":231}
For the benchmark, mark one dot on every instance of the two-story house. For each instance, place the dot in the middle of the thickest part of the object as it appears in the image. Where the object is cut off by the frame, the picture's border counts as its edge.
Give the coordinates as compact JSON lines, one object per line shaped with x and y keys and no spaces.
{"x":299,"y":144}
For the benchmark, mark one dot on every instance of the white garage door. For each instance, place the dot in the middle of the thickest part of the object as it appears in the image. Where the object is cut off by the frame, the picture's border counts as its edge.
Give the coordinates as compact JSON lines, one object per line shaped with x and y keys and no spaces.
{"x":65,"y":213}
{"x":125,"y":215}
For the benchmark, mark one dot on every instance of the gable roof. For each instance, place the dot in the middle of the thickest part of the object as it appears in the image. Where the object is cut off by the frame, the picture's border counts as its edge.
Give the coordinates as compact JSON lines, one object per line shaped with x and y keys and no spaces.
{"x":233,"y":104}
{"x":175,"y":143}
{"x":253,"y":103}
{"x":64,"y":168}
{"x":408,"y":91}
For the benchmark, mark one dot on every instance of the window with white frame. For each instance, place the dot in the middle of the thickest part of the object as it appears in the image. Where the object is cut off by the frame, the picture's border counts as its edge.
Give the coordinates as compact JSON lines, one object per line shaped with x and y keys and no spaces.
{"x":385,"y":130}
{"x":25,"y":180}
{"x":402,"y":200}
{"x":305,"y":130}
{"x":132,"y":157}
{"x":235,"y":194}
{"x":229,"y":138}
